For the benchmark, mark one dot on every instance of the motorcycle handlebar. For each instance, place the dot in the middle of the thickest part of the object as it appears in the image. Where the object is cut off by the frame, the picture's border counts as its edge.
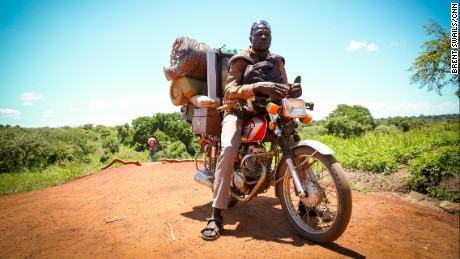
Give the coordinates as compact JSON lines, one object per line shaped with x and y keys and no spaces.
{"x":225,"y":107}
{"x":228,"y":106}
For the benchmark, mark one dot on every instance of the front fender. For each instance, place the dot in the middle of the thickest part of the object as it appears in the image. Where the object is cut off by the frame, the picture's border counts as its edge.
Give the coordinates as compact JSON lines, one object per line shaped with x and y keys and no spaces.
{"x":322,"y":148}
{"x":316,"y":145}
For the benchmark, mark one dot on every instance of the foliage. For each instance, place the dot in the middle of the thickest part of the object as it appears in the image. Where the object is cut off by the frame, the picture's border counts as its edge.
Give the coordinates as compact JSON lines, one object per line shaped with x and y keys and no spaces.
{"x":22,"y":148}
{"x":402,"y":123}
{"x":44,"y":157}
{"x":430,"y":151}
{"x":315,"y":130}
{"x":28,"y":155}
{"x":348,"y":121}
{"x":429,"y":169}
{"x":30,"y":180}
{"x":111,"y":145}
{"x":169,"y":148}
{"x":432,"y":67}
{"x":383,"y":130}
{"x":178,"y":132}
{"x":125,"y":133}
{"x":427,"y":146}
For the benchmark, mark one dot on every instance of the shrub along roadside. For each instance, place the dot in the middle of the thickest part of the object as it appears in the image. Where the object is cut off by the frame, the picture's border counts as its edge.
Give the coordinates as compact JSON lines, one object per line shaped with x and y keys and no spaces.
{"x":426,"y":148}
{"x":29,"y":180}
{"x":430,"y":152}
{"x":51,"y":176}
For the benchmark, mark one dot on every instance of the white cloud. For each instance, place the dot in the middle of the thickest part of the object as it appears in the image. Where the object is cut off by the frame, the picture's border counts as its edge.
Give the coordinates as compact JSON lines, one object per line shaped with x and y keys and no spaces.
{"x":29,"y":98}
{"x":48,"y":114}
{"x":10,"y":113}
{"x":371,"y":47}
{"x":356,"y":45}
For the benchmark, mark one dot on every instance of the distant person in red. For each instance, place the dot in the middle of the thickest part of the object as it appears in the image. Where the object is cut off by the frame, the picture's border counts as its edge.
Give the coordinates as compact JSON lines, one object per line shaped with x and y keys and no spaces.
{"x":152,"y":144}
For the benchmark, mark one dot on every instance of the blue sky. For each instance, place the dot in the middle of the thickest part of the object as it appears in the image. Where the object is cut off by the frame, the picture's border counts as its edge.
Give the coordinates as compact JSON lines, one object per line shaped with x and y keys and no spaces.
{"x":68,"y":63}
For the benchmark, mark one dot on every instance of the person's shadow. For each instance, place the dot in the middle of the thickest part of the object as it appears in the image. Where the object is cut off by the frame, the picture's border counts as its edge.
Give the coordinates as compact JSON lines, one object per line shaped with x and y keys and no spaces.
{"x":262,"y":219}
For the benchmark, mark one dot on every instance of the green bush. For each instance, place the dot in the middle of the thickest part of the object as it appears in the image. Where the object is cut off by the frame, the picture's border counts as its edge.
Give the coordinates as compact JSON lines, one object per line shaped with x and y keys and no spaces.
{"x":21,"y":149}
{"x":37,"y":158}
{"x":349,"y":121}
{"x":111,"y":145}
{"x":383,"y":130}
{"x":316,"y":130}
{"x":346,"y":128}
{"x":429,"y":169}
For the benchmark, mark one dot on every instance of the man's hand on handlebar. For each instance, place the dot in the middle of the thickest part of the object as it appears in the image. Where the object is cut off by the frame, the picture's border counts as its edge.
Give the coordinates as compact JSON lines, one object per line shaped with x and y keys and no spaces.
{"x":295,"y":91}
{"x":278,"y":90}
{"x":271,"y":89}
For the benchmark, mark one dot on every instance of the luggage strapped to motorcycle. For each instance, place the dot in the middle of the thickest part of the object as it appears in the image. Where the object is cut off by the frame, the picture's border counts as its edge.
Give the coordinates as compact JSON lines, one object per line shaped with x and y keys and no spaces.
{"x":208,"y":121}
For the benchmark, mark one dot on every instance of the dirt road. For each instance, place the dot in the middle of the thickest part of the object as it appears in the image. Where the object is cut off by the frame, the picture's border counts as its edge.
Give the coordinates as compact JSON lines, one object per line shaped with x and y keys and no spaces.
{"x":124,"y":213}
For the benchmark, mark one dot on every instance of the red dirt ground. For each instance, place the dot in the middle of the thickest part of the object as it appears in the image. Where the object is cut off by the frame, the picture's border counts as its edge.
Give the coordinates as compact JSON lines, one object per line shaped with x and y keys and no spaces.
{"x":124,"y":213}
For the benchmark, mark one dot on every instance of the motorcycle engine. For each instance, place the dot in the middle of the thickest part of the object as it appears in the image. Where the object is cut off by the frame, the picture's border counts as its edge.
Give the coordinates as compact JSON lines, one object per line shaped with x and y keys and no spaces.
{"x":252,"y":168}
{"x":253,"y":165}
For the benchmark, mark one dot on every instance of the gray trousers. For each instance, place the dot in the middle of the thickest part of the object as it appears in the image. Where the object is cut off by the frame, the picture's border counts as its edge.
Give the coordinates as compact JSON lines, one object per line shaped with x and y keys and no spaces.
{"x":232,"y":127}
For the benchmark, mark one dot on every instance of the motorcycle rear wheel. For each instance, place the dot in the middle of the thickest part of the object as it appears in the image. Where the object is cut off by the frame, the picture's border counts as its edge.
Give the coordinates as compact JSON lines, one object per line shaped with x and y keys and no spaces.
{"x":324,"y":215}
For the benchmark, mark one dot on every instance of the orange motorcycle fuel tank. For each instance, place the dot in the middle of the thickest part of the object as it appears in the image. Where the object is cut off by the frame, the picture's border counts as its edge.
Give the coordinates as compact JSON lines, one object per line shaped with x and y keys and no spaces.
{"x":254,"y":129}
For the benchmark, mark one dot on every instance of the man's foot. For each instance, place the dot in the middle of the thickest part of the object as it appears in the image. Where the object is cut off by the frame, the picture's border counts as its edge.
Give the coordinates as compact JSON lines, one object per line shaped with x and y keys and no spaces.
{"x":212,"y":229}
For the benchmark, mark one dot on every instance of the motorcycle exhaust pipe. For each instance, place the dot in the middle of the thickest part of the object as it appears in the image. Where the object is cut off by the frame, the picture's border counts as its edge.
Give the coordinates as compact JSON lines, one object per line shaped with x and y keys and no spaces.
{"x":200,"y":179}
{"x":205,"y":178}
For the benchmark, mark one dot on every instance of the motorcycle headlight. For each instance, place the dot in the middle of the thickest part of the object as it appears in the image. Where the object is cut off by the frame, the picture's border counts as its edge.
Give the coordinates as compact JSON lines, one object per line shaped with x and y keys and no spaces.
{"x":293,"y":108}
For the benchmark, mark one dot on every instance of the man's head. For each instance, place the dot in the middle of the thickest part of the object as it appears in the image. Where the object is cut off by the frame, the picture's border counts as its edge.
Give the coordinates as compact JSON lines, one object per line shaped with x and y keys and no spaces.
{"x":261,"y":35}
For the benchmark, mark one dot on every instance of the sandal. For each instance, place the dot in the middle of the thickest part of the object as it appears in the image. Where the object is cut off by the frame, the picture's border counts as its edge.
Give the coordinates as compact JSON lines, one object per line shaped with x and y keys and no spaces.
{"x":212,"y":229}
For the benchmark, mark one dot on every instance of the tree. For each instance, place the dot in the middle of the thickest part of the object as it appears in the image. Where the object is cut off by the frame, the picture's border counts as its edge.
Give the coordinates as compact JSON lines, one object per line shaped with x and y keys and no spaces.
{"x":170,"y":147}
{"x":125,"y":133}
{"x":22,"y":148}
{"x":347,"y":121}
{"x":169,"y":124}
{"x":143,"y":128}
{"x":432,"y":67}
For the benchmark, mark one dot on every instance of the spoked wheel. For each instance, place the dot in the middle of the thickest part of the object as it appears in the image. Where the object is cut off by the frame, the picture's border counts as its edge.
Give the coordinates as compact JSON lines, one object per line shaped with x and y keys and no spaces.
{"x":324,"y":214}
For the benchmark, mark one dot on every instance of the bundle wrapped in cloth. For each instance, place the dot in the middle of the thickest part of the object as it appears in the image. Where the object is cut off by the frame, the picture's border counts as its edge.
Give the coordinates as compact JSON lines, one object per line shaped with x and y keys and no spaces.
{"x":188,"y":89}
{"x":187,"y":58}
{"x":188,"y":72}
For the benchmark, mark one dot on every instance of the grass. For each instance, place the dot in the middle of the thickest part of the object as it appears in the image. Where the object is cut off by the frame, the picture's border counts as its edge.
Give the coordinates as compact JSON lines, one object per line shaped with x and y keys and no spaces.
{"x":431,"y":153}
{"x":385,"y":153}
{"x":54,"y":175}
{"x":359,"y":189}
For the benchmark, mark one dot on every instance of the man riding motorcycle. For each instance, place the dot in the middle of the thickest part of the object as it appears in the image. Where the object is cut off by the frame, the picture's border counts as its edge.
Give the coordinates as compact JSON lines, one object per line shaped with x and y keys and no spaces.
{"x":253,"y":73}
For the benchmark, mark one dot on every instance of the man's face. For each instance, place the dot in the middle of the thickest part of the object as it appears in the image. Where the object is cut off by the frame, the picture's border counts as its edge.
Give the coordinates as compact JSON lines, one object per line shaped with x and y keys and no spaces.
{"x":261,"y":38}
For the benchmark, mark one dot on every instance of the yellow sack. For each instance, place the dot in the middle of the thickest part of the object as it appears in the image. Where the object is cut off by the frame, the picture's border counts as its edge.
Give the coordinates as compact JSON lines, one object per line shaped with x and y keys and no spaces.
{"x":177,"y":96}
{"x":184,"y":87}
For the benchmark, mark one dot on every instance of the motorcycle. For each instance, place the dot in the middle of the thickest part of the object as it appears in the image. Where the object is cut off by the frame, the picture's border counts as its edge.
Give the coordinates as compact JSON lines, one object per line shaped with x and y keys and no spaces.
{"x":309,"y":182}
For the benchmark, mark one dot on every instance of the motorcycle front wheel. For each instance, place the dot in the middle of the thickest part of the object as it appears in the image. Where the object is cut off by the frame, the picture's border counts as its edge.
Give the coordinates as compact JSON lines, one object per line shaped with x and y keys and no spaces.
{"x":324,"y":214}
